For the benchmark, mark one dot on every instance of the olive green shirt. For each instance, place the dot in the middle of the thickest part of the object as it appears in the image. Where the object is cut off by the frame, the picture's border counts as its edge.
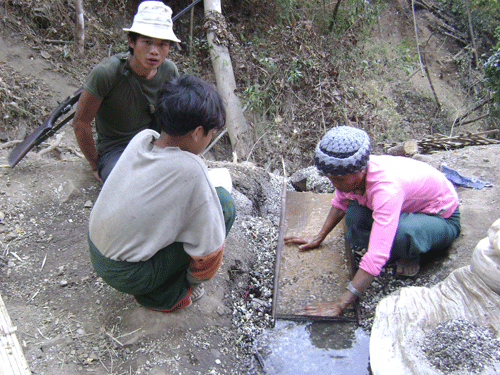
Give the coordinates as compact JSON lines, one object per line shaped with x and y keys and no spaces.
{"x":128,"y":101}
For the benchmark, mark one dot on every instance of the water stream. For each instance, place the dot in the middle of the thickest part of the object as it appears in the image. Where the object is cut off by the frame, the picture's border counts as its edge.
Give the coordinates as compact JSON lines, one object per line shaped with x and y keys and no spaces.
{"x":318,"y":348}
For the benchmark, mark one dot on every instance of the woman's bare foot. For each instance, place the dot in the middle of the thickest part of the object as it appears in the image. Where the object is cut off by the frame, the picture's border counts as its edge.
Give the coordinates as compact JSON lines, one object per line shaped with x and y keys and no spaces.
{"x":408,"y":267}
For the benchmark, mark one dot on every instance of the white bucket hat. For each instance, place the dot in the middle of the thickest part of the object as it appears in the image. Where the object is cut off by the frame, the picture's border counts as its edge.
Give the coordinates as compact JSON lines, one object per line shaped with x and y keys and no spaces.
{"x":154,"y":19}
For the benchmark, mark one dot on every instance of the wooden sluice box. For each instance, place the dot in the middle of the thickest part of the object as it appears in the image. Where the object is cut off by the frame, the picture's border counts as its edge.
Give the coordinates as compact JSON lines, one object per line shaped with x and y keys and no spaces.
{"x":304,"y":278}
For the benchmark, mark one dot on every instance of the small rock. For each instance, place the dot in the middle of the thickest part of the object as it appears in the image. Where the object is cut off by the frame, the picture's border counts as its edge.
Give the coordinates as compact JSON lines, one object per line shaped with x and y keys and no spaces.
{"x":60,"y":271}
{"x":45,"y":54}
{"x":88,"y":204}
{"x":63,"y":283}
{"x":21,"y":130}
{"x":10,"y":237}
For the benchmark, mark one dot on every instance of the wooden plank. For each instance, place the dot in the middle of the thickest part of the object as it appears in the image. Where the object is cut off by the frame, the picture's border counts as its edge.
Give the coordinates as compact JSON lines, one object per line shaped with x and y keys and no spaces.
{"x":12,"y":361}
{"x":315,"y":276}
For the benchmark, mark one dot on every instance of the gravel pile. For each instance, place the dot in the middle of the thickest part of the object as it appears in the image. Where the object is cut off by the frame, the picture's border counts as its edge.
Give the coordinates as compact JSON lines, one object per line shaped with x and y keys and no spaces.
{"x":252,"y":300}
{"x":460,"y":345}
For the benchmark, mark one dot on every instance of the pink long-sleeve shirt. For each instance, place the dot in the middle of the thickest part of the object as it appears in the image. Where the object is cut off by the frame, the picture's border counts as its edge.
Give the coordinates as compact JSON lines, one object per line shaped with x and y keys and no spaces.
{"x":394,"y":185}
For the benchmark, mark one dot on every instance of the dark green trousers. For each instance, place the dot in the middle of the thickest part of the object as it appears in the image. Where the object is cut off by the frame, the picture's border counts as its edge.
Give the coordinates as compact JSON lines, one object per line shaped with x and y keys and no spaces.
{"x":160,"y":282}
{"x":416,"y":234}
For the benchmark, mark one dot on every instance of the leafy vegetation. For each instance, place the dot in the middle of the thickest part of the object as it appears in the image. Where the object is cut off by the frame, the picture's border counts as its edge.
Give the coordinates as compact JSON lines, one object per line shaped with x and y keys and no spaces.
{"x":492,"y":75}
{"x":485,"y":18}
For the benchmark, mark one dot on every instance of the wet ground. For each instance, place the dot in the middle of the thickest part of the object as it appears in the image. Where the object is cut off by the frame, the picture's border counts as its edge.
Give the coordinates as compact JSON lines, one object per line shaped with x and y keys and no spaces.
{"x":327,"y":348}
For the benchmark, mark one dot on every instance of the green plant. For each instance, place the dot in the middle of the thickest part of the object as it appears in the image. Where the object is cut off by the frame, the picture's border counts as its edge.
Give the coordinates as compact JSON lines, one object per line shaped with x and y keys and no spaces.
{"x":352,"y":12}
{"x":286,"y":11}
{"x":407,"y":56}
{"x":253,"y":98}
{"x":295,"y":71}
{"x":485,"y":16}
{"x":200,"y":44}
{"x":497,"y":35}
{"x":492,"y":76}
{"x":269,"y":64}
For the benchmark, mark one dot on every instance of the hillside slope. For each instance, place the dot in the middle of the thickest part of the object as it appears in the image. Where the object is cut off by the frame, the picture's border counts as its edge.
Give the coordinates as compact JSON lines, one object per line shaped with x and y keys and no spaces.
{"x":68,"y":320}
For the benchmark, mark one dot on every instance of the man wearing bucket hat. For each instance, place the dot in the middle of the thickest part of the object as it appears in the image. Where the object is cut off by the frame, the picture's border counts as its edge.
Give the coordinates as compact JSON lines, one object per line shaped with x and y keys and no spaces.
{"x":396,"y":208}
{"x":120,"y":92}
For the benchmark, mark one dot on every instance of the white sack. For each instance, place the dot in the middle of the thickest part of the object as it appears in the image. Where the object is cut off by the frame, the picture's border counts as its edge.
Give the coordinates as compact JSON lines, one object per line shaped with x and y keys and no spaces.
{"x":486,"y":258}
{"x":402,"y":320}
{"x":486,"y":264}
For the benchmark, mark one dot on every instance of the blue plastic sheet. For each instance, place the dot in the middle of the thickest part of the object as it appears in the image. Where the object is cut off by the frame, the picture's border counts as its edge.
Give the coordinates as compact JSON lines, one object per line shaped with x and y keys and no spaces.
{"x":461,"y":180}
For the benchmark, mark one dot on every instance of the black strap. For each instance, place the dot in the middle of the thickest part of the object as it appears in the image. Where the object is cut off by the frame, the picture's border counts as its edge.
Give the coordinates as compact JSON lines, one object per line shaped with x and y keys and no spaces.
{"x":126,"y":72}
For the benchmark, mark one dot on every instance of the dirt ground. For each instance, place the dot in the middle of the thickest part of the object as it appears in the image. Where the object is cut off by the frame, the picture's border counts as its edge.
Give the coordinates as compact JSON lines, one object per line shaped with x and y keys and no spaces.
{"x":68,"y":321}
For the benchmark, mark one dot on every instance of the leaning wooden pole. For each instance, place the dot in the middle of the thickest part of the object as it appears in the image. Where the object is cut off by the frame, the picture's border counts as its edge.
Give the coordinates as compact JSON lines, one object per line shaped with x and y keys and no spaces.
{"x":239,"y":132}
{"x":472,"y":32}
{"x":79,"y":28}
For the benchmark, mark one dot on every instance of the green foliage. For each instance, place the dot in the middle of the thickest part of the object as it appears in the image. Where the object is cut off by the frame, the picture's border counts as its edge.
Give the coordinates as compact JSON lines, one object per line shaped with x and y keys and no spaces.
{"x":497,"y":35}
{"x":201,"y":44}
{"x":485,"y":16}
{"x":269,"y":64}
{"x":286,"y":11}
{"x":350,"y":13}
{"x":379,"y":56}
{"x":492,"y":75}
{"x":407,"y":56}
{"x":294,"y":72}
{"x":256,"y":98}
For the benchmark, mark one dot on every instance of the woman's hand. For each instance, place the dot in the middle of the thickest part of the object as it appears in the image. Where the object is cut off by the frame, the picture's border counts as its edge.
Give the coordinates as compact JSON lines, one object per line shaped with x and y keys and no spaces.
{"x":360,"y":282}
{"x":333,"y":309}
{"x":305,"y":243}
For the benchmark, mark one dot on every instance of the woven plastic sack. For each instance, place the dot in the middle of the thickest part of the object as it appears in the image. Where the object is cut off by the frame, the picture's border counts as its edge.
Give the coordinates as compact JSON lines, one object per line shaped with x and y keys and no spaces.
{"x":486,"y":258}
{"x":402,"y":320}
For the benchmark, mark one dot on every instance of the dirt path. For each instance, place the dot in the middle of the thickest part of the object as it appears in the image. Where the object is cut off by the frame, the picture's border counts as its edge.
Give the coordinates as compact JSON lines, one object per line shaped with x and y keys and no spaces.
{"x":31,"y":63}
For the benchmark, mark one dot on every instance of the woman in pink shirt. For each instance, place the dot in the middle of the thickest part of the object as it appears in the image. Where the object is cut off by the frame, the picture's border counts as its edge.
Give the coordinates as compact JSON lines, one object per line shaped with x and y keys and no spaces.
{"x":394,"y":207}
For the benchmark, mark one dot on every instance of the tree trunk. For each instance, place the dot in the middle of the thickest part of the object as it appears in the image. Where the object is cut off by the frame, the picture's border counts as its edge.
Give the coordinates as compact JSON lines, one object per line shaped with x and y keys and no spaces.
{"x":239,"y":132}
{"x":79,"y":28}
{"x":472,"y":32}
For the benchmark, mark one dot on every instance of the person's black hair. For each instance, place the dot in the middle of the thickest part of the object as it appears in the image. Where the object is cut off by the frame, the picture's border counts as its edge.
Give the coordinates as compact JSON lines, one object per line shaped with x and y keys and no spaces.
{"x":133,"y":37}
{"x":186,"y":102}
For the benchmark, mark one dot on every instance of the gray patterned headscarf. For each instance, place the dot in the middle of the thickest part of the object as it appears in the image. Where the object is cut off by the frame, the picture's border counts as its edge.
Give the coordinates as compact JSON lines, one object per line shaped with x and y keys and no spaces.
{"x":343,"y":150}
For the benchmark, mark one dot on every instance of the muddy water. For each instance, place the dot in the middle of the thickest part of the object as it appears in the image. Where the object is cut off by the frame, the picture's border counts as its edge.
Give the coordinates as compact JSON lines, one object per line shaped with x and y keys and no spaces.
{"x":319,"y":348}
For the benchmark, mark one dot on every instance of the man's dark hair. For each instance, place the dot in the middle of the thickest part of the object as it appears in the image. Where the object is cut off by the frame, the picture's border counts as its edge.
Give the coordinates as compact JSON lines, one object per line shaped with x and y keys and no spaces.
{"x":133,"y":37}
{"x":187,"y":102}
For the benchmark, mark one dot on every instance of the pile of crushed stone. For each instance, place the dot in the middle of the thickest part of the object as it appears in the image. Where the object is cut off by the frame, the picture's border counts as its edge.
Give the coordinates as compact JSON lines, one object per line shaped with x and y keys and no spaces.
{"x":460,"y":345}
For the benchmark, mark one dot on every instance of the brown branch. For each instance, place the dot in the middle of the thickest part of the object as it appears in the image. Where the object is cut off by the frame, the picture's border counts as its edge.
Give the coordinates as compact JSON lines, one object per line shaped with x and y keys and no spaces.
{"x":474,"y":120}
{"x":416,"y":36}
{"x":431,"y":85}
{"x":334,"y":15}
{"x":470,"y":111}
{"x":472,"y":32}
